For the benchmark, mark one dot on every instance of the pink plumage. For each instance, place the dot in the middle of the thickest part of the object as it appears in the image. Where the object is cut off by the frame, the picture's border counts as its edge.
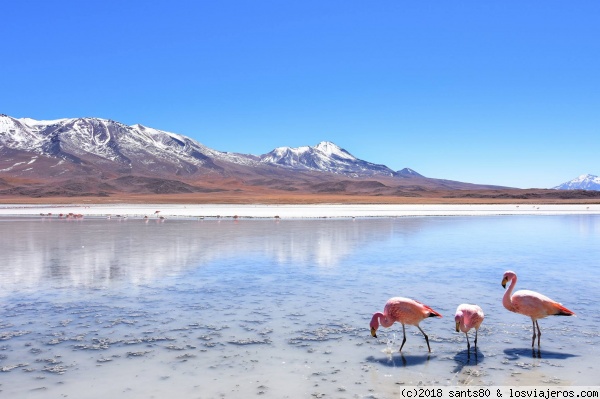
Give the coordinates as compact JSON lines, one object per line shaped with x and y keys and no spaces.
{"x":467,"y":317}
{"x":405,"y":311}
{"x":530,"y":303}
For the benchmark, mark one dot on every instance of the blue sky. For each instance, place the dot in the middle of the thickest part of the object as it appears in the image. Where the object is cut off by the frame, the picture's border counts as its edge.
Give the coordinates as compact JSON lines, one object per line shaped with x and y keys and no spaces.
{"x":504,"y":92}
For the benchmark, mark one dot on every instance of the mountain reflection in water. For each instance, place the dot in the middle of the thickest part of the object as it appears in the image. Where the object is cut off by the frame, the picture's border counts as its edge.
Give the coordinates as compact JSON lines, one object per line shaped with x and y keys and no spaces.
{"x":97,"y":252}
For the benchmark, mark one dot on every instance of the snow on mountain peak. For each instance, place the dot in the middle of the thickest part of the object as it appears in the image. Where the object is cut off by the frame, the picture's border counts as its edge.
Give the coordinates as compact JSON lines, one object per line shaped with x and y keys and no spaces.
{"x":330,"y":149}
{"x":17,"y":134}
{"x":32,"y":122}
{"x":582,"y":182}
{"x":586,"y":177}
{"x":324,"y":157}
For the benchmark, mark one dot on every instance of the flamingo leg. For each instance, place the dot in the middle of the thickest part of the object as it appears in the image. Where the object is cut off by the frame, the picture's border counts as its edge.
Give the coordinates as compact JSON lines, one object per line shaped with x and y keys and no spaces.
{"x":533,"y":338}
{"x":539,"y":332}
{"x":404,"y":337}
{"x":426,"y":337}
{"x":476,"y":340}
{"x":468,"y":344}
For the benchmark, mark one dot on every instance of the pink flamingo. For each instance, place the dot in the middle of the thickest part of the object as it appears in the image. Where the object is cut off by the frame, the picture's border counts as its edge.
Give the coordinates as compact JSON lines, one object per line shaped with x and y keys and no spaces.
{"x":467,"y":317}
{"x":404,"y":311}
{"x":530,"y":303}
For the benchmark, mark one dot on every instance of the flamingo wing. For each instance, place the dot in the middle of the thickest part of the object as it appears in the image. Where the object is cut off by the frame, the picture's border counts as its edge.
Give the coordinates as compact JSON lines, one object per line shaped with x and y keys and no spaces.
{"x":408,"y":311}
{"x":536,"y":305}
{"x":430,"y":312}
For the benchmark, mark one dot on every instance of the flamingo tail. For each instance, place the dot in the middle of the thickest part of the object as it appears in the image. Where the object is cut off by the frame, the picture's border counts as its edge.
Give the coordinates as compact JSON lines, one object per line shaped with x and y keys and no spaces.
{"x":433,"y":313}
{"x":562,"y":311}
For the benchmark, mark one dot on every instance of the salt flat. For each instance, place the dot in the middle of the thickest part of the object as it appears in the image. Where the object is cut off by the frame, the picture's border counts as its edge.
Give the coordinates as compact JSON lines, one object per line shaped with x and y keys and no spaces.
{"x":294,"y":211}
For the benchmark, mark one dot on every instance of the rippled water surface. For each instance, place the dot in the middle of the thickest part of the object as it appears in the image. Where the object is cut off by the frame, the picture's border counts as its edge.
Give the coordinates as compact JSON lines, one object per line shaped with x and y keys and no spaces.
{"x":231,"y":309}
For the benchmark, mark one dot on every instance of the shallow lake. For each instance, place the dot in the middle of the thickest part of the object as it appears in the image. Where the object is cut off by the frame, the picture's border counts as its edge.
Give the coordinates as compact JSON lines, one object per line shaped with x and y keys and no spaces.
{"x":281,"y":309}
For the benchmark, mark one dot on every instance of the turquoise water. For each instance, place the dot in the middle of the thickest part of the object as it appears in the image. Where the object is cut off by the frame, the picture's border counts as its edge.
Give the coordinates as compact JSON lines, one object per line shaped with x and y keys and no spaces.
{"x":213,"y":309}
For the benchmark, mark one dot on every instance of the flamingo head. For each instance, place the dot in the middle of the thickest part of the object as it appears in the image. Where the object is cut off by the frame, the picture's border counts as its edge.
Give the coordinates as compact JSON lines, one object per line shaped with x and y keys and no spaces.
{"x":374,"y":325}
{"x":508,"y":276}
{"x":458,"y":318}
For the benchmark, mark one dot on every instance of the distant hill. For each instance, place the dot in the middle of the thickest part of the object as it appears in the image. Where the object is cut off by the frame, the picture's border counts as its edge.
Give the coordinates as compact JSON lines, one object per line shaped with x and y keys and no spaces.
{"x":407,"y":172}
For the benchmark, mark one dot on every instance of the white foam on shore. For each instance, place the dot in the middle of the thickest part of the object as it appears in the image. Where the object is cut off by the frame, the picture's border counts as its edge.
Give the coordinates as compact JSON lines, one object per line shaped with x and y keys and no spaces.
{"x":295,"y":211}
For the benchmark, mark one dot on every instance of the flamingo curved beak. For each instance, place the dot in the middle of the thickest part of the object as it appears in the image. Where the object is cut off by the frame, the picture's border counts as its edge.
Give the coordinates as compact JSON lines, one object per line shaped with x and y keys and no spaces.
{"x":457,"y":325}
{"x":504,"y":281}
{"x":373,"y":332}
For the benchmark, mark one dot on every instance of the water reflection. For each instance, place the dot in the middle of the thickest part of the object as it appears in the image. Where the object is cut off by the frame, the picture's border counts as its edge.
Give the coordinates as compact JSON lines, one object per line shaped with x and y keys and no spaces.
{"x":517,"y":353}
{"x":401,"y":360}
{"x":98,"y":252}
{"x":466,"y":358}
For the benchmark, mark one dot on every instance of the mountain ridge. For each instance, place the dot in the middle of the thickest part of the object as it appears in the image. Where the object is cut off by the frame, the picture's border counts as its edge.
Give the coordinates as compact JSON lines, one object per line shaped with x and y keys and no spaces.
{"x":105,"y":140}
{"x":92,"y":156}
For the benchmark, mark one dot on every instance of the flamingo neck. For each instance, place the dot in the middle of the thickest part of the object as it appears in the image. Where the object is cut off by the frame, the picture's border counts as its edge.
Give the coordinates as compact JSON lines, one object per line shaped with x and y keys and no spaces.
{"x":462,"y":319}
{"x":383,"y":319}
{"x":507,"y":299}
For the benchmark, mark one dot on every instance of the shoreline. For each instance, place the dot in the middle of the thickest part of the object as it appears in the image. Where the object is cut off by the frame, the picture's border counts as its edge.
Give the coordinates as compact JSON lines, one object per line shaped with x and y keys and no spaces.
{"x":286,"y":211}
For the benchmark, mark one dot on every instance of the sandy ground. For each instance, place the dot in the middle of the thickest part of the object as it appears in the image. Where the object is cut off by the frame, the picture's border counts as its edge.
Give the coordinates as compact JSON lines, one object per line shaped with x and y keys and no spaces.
{"x":290,"y":211}
{"x":259,"y":196}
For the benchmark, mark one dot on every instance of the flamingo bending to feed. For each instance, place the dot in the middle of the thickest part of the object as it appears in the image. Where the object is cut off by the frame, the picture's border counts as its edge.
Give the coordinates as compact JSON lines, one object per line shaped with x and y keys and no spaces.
{"x":530,"y":303}
{"x":404,"y":311}
{"x":467,"y":317}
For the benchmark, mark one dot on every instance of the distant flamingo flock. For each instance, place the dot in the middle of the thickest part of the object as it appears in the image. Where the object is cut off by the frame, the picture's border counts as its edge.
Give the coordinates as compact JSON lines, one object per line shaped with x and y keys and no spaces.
{"x":70,"y":215}
{"x":528,"y":303}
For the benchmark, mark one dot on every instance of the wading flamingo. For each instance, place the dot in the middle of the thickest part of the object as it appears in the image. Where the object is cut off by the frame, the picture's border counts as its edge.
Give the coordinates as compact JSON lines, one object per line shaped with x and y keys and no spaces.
{"x":404,"y":311}
{"x":530,"y":303}
{"x":467,"y":317}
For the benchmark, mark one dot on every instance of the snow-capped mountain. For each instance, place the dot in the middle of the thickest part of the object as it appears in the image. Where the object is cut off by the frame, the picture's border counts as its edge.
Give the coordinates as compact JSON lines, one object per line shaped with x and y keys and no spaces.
{"x":583,"y":182}
{"x":102,"y":143}
{"x":324,"y":157}
{"x":99,"y":157}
